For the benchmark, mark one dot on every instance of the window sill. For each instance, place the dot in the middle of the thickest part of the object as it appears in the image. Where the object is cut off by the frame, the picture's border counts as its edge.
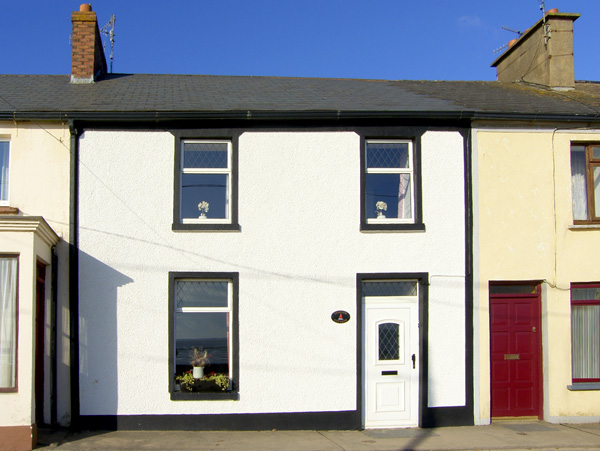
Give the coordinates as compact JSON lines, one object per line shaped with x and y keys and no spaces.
{"x":6,"y":210}
{"x":371,"y":227}
{"x":206,"y":227}
{"x":227,"y":396}
{"x":577,"y":227}
{"x":584,"y":386}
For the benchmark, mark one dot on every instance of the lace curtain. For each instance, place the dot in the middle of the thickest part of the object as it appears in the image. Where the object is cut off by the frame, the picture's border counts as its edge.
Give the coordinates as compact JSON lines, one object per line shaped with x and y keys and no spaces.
{"x":8,"y":324}
{"x":578,"y":183}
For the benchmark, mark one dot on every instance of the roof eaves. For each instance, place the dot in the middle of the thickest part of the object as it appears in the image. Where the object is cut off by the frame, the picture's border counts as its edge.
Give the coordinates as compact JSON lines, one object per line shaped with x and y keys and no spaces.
{"x":301,"y":115}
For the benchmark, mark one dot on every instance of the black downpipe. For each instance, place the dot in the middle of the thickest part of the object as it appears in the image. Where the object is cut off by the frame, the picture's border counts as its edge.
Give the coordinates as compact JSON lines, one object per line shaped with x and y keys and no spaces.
{"x":74,"y":275}
{"x":53,"y":335}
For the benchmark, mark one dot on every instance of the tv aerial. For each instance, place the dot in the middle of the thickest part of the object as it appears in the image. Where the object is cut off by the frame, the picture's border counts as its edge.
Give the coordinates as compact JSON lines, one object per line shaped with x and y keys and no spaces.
{"x":108,"y":30}
{"x":546,"y":28}
{"x":519,"y":34}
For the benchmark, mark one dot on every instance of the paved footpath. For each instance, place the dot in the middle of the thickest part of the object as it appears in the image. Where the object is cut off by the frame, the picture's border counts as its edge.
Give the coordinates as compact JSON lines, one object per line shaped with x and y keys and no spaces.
{"x":533,"y":435}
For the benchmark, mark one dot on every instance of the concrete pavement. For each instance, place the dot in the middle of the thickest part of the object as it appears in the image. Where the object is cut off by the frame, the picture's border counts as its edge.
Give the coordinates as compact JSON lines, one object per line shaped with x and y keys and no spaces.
{"x":531,"y":435}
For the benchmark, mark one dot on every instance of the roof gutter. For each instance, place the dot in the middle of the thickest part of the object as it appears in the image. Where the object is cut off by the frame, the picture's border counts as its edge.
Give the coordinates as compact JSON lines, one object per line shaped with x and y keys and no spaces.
{"x":261,"y":115}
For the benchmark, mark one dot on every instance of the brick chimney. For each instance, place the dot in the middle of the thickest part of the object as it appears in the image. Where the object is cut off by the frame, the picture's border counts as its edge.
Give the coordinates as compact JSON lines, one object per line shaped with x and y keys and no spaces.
{"x":542,"y":55}
{"x":88,"y":63}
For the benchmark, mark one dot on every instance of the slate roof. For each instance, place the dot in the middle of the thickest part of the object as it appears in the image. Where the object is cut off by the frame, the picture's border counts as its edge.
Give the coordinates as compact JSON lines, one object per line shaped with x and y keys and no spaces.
{"x":181,"y":96}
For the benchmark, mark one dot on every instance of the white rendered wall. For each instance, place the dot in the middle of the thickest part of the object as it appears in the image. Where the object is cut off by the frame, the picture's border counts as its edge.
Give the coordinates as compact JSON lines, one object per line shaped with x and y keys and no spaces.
{"x":297,"y":254}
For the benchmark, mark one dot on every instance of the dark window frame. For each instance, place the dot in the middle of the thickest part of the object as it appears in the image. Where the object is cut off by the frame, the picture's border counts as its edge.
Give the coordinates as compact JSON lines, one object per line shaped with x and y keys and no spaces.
{"x":234,"y":329}
{"x":393,"y":134}
{"x":575,"y":302}
{"x":231,"y":135}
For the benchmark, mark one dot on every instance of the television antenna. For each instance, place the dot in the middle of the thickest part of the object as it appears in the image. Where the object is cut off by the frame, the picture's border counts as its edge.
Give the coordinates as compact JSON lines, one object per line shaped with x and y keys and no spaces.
{"x":109,"y":31}
{"x":519,"y":33}
{"x":546,"y":28}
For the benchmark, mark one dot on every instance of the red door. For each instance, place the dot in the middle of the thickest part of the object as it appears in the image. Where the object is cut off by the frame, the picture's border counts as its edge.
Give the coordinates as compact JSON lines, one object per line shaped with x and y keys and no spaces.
{"x":515,"y":351}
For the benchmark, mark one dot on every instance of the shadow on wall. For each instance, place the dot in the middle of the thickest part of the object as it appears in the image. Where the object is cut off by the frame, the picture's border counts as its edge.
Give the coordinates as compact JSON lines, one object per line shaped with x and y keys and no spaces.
{"x":98,"y":379}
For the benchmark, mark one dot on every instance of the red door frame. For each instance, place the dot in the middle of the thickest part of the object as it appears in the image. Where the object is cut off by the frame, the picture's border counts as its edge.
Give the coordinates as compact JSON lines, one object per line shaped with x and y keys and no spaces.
{"x":40,"y":303}
{"x":535,"y":297}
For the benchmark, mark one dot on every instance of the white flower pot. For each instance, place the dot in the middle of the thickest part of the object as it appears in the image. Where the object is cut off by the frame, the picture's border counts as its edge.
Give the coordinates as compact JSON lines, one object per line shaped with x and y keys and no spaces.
{"x":198,"y":372}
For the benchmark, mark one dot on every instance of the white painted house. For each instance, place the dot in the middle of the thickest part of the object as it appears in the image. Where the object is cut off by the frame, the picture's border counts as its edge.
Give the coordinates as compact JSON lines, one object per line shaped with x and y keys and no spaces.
{"x":316,"y":263}
{"x":256,"y":283}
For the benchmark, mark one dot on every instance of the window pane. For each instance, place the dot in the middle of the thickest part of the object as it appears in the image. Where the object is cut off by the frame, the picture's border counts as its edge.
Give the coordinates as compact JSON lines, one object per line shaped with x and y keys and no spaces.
{"x":596,"y":153}
{"x":201,"y":294}
{"x":579,"y":183}
{"x":211,"y":188}
{"x":4,"y":170}
{"x":387,"y":155}
{"x":596,"y":191}
{"x":391,"y":288}
{"x":8,"y":324}
{"x":585,"y":293}
{"x":205,"y":155}
{"x":394,"y":190}
{"x":513,"y":289}
{"x":209,"y":331}
{"x":389,"y":341}
{"x":585,"y":332}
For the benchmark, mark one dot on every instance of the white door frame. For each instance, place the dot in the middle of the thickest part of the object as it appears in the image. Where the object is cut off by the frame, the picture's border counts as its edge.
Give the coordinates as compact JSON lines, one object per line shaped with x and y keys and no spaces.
{"x":405,"y":384}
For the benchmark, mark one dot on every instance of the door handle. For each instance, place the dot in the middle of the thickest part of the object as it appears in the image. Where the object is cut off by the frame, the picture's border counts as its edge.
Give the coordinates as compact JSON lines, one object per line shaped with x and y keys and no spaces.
{"x":414,"y":359}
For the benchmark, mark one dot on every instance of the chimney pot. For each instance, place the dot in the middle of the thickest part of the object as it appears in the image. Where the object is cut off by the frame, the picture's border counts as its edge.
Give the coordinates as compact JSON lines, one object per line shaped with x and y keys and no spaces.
{"x":552,"y":11}
{"x":85,"y":7}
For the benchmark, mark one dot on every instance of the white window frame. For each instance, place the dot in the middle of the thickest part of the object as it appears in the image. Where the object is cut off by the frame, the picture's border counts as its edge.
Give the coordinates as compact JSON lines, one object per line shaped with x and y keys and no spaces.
{"x":209,"y":171}
{"x":5,"y":203}
{"x":409,"y":171}
{"x":227,"y":309}
{"x":10,"y":318}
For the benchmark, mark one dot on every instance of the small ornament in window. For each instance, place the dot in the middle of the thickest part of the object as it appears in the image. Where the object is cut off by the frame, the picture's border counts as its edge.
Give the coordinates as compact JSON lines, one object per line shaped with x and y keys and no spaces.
{"x":203,"y":207}
{"x":380,"y":207}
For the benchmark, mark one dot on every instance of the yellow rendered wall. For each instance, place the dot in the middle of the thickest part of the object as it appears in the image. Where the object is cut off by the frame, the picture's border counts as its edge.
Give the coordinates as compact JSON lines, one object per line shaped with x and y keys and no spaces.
{"x":39,"y":171}
{"x":39,"y":185}
{"x":522,"y":178}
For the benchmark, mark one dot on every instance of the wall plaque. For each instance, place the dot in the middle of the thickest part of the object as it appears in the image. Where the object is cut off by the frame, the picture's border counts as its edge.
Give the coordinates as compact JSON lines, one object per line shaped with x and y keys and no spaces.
{"x":340,"y":316}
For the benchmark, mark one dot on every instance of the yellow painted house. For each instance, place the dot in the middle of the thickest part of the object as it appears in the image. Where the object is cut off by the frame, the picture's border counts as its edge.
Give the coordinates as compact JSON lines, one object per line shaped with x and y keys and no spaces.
{"x":536,"y":241}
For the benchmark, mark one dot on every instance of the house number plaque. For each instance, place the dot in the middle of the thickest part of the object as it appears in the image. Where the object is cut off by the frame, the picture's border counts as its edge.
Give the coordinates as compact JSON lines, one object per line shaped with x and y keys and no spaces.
{"x":340,"y":316}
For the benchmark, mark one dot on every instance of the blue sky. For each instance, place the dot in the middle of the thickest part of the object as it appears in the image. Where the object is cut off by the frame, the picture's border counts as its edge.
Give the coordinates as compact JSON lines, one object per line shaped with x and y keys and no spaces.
{"x":374,"y":39}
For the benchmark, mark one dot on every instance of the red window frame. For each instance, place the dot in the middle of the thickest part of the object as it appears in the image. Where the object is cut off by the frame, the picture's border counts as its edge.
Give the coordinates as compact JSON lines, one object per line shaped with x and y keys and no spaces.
{"x":575,"y":302}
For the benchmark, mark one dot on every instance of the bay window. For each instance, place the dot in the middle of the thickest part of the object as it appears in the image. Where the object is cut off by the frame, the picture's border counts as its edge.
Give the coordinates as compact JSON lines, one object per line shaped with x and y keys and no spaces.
{"x":8,"y":323}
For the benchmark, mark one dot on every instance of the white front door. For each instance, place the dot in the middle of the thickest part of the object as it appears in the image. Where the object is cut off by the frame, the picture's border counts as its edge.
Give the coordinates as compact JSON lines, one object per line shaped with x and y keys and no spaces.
{"x":391,"y":362}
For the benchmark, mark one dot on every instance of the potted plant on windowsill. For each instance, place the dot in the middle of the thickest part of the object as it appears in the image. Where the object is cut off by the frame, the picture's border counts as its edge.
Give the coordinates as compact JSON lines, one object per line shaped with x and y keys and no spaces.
{"x":380,"y":207}
{"x":199,"y":358}
{"x":203,"y":207}
{"x":213,"y":382}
